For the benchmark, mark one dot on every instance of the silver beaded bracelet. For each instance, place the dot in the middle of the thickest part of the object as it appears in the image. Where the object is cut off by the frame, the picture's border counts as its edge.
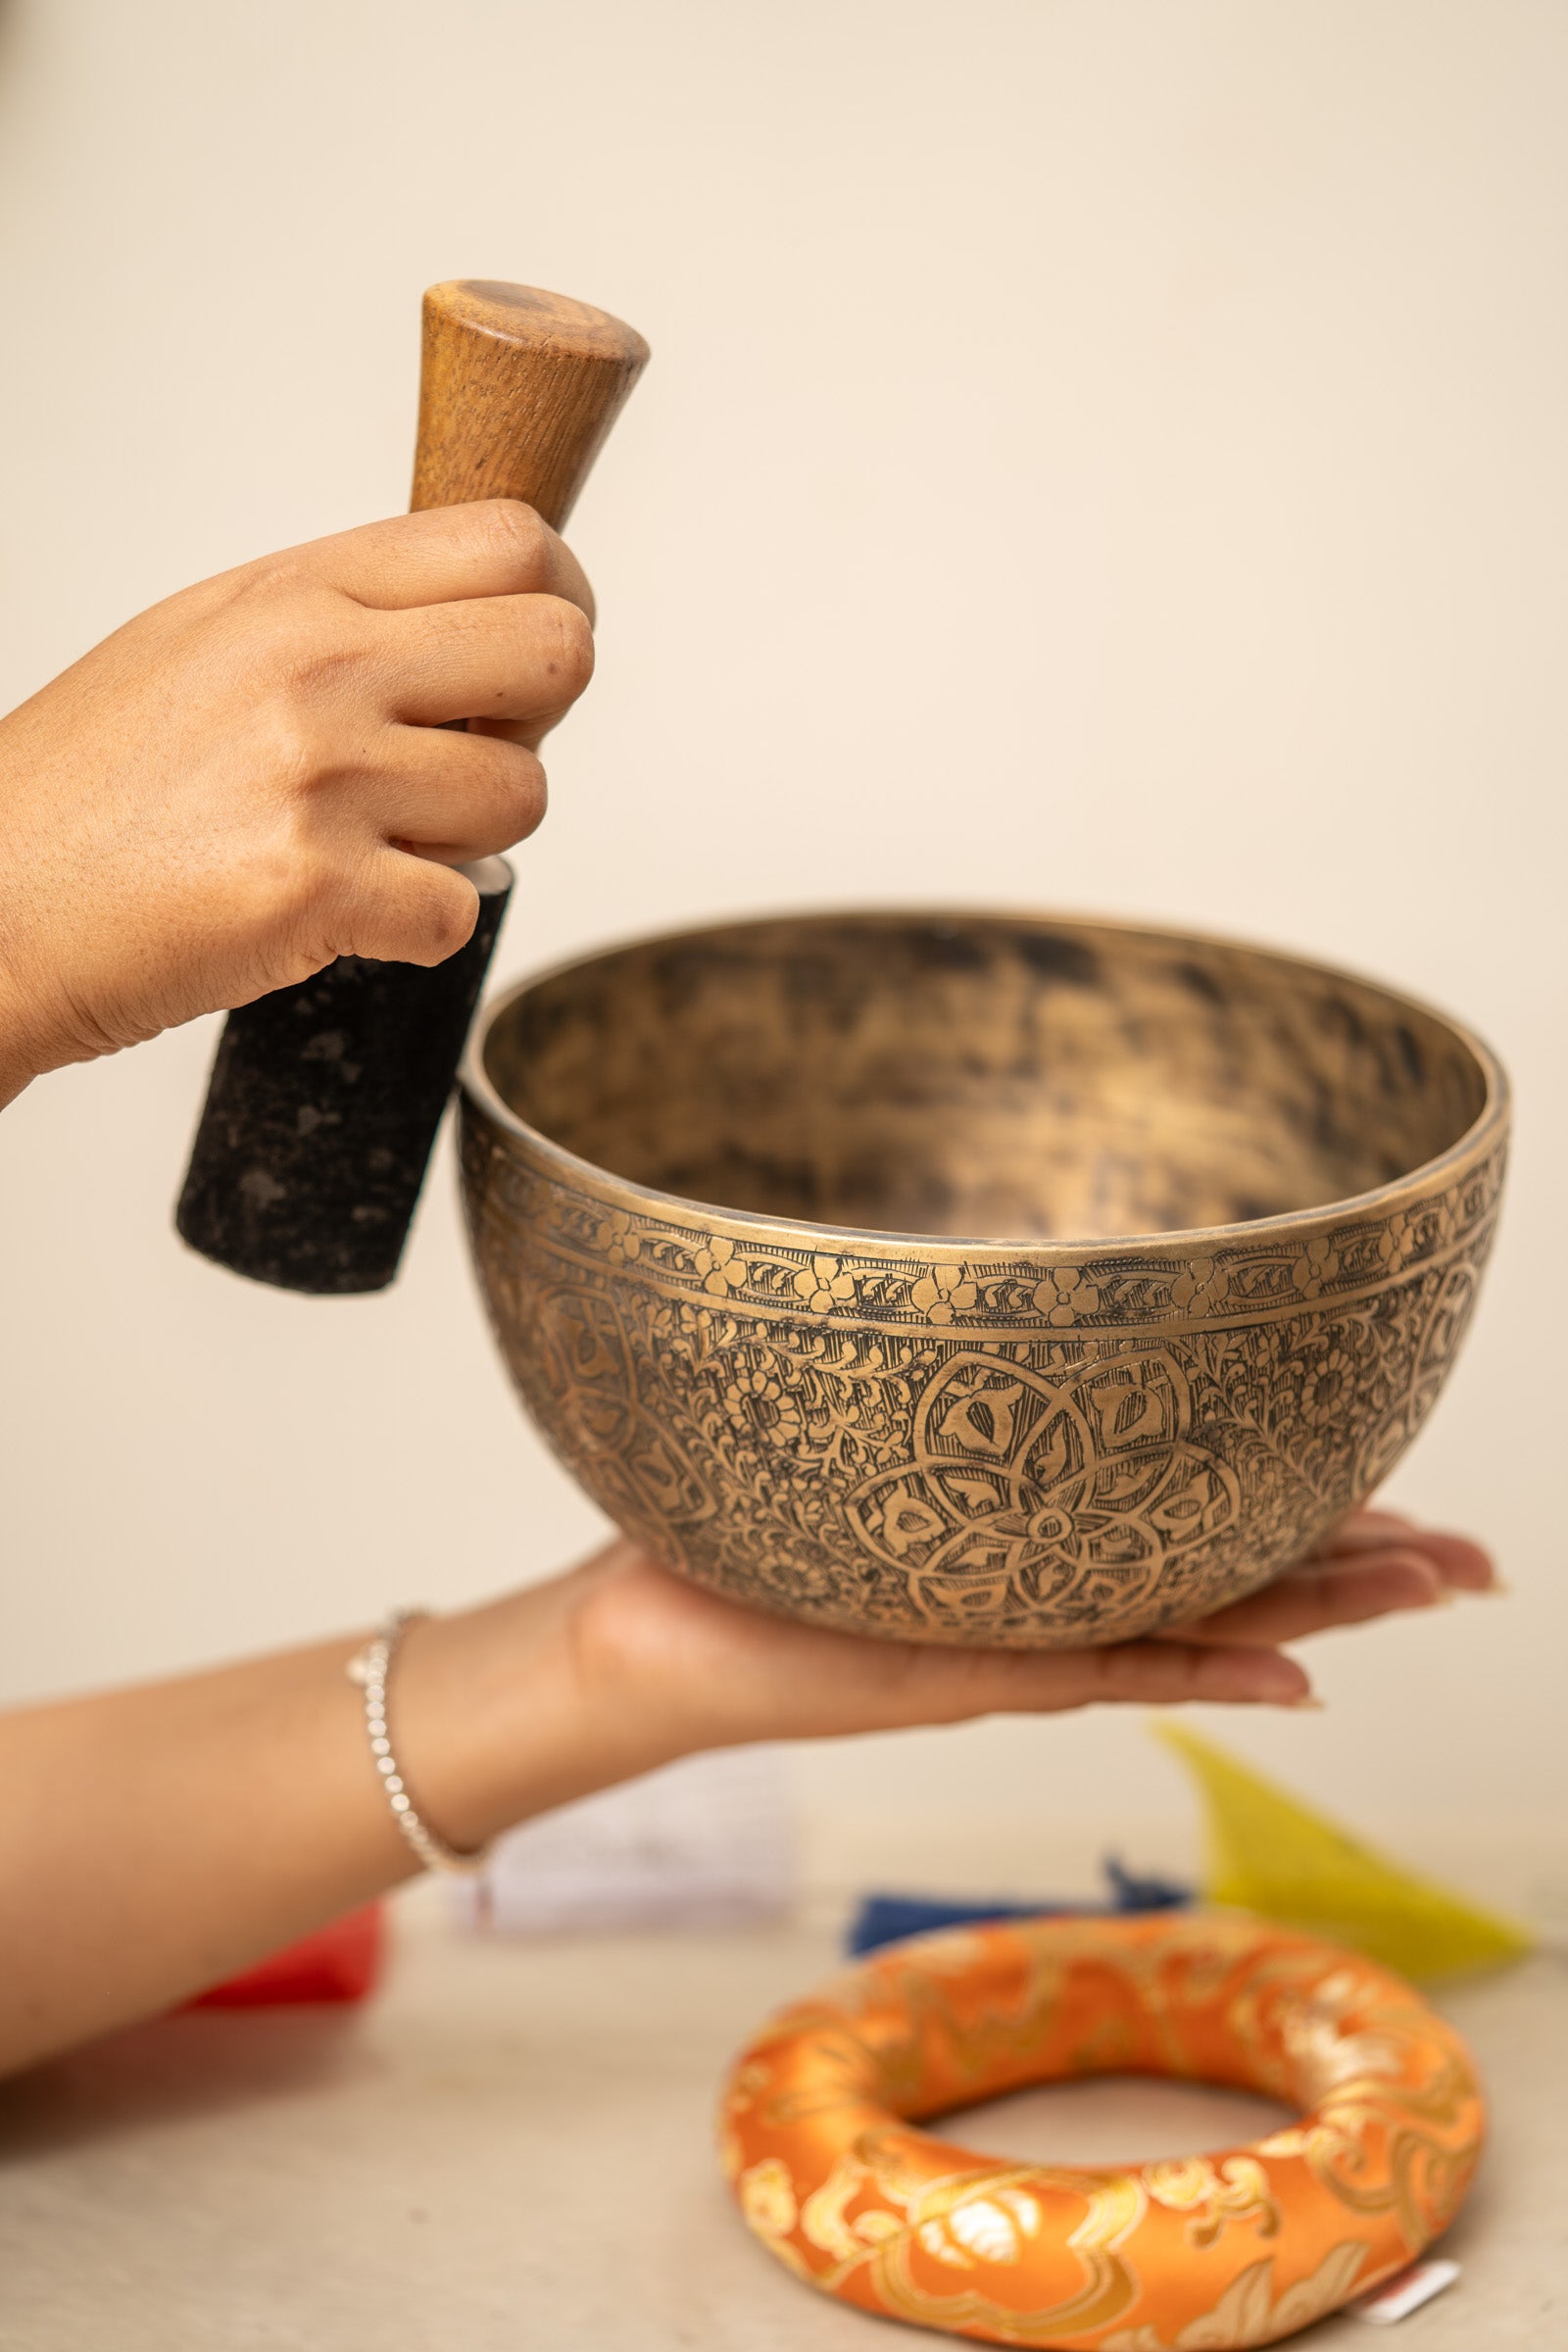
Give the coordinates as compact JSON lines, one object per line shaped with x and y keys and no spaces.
{"x":370,"y":1668}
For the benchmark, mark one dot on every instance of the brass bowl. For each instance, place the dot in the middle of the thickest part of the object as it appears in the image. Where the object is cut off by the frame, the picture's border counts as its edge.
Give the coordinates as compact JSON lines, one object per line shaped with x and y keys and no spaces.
{"x":976,"y":1278}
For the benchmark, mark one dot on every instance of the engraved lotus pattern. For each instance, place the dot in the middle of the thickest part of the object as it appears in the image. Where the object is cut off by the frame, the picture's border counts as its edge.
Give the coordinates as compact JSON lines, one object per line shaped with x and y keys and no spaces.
{"x":809,"y":1407}
{"x":930,"y":1453}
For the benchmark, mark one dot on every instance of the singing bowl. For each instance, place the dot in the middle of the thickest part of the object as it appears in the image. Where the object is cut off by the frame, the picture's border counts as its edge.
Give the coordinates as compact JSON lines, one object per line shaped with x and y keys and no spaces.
{"x":975,"y":1278}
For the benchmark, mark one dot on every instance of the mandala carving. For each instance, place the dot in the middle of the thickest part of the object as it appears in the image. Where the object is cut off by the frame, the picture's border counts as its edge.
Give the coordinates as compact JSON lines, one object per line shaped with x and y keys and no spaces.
{"x":1009,"y":1446}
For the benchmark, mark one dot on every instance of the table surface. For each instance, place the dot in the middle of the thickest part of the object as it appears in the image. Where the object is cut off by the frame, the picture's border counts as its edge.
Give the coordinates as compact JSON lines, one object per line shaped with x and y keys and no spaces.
{"x":512,"y":2147}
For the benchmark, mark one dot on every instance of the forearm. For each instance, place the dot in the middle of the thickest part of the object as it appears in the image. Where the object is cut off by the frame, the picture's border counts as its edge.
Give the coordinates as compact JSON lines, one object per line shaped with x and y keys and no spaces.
{"x":157,"y":1840}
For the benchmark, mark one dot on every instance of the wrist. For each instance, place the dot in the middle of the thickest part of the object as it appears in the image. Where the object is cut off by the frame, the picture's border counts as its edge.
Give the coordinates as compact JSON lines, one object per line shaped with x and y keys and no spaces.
{"x":494,"y":1720}
{"x":27,"y":1038}
{"x":19,"y":1062}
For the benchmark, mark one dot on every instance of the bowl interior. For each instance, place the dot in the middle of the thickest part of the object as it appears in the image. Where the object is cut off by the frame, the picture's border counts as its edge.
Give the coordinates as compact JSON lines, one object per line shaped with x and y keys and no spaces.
{"x":982,"y":1076}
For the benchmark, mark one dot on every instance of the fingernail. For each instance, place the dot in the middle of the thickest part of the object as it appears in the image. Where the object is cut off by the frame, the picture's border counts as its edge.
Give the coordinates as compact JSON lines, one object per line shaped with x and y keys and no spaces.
{"x":1498,"y":1589}
{"x":1443,"y":1597}
{"x":1308,"y":1705}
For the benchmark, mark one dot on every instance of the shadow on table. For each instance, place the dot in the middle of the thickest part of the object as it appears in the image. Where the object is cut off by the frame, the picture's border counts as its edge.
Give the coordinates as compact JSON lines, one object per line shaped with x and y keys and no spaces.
{"x":175,"y":2068}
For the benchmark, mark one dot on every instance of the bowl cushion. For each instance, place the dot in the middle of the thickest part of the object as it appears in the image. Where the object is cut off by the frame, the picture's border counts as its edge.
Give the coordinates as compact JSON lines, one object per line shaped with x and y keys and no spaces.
{"x":1234,"y":2247}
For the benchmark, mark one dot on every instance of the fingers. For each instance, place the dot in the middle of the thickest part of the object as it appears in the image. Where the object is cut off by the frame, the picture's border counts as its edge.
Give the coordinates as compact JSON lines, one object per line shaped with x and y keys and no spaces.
{"x":699,"y":1671}
{"x":1366,"y":1527}
{"x":522,"y":659}
{"x":497,"y":547}
{"x":945,"y":1684}
{"x":1375,"y":1562}
{"x":844,"y":1682}
{"x":1459,"y":1561}
{"x":1157,"y":1674}
{"x":872,"y":1686}
{"x":453,"y":797}
{"x":410,"y":909}
{"x":1319,"y":1595}
{"x":1464,"y":1566}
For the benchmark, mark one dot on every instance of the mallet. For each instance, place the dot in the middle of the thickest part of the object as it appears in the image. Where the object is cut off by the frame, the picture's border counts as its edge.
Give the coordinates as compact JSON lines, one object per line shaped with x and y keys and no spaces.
{"x":324,"y":1098}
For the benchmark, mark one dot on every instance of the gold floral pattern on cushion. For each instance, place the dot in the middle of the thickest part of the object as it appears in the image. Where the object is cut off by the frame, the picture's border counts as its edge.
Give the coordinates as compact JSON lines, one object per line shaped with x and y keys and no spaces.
{"x":1237,"y":2247}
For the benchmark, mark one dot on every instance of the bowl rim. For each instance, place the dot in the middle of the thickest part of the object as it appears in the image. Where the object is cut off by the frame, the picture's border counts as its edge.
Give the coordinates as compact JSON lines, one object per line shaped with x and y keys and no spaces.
{"x":1488,"y":1128}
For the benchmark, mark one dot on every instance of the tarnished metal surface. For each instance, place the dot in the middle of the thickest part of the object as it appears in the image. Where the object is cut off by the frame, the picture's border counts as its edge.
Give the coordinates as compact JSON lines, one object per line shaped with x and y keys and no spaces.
{"x":972,"y":1278}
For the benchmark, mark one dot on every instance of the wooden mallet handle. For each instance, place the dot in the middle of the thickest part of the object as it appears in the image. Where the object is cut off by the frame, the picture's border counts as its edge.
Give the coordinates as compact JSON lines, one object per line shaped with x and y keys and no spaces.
{"x":324,"y":1098}
{"x":517,"y":393}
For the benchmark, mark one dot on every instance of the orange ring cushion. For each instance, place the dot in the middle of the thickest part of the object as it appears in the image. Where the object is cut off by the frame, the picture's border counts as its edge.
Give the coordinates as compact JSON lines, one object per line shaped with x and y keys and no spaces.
{"x":1240,"y":2246}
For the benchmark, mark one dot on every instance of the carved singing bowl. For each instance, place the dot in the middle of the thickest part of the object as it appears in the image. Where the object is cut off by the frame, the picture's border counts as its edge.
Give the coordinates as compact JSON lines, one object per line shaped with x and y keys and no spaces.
{"x":976,"y":1278}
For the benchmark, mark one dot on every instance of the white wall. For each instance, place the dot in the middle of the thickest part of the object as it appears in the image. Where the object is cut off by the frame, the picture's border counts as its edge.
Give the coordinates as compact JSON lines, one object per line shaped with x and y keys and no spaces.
{"x":1100,"y":455}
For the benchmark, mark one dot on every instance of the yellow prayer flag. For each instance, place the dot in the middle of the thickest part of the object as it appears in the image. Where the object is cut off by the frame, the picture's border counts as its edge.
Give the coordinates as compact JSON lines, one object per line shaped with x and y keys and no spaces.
{"x":1269,"y":1853}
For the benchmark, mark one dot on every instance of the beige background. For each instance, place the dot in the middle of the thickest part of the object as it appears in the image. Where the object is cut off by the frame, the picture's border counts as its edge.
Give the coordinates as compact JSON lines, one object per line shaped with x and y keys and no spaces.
{"x":1095,"y":455}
